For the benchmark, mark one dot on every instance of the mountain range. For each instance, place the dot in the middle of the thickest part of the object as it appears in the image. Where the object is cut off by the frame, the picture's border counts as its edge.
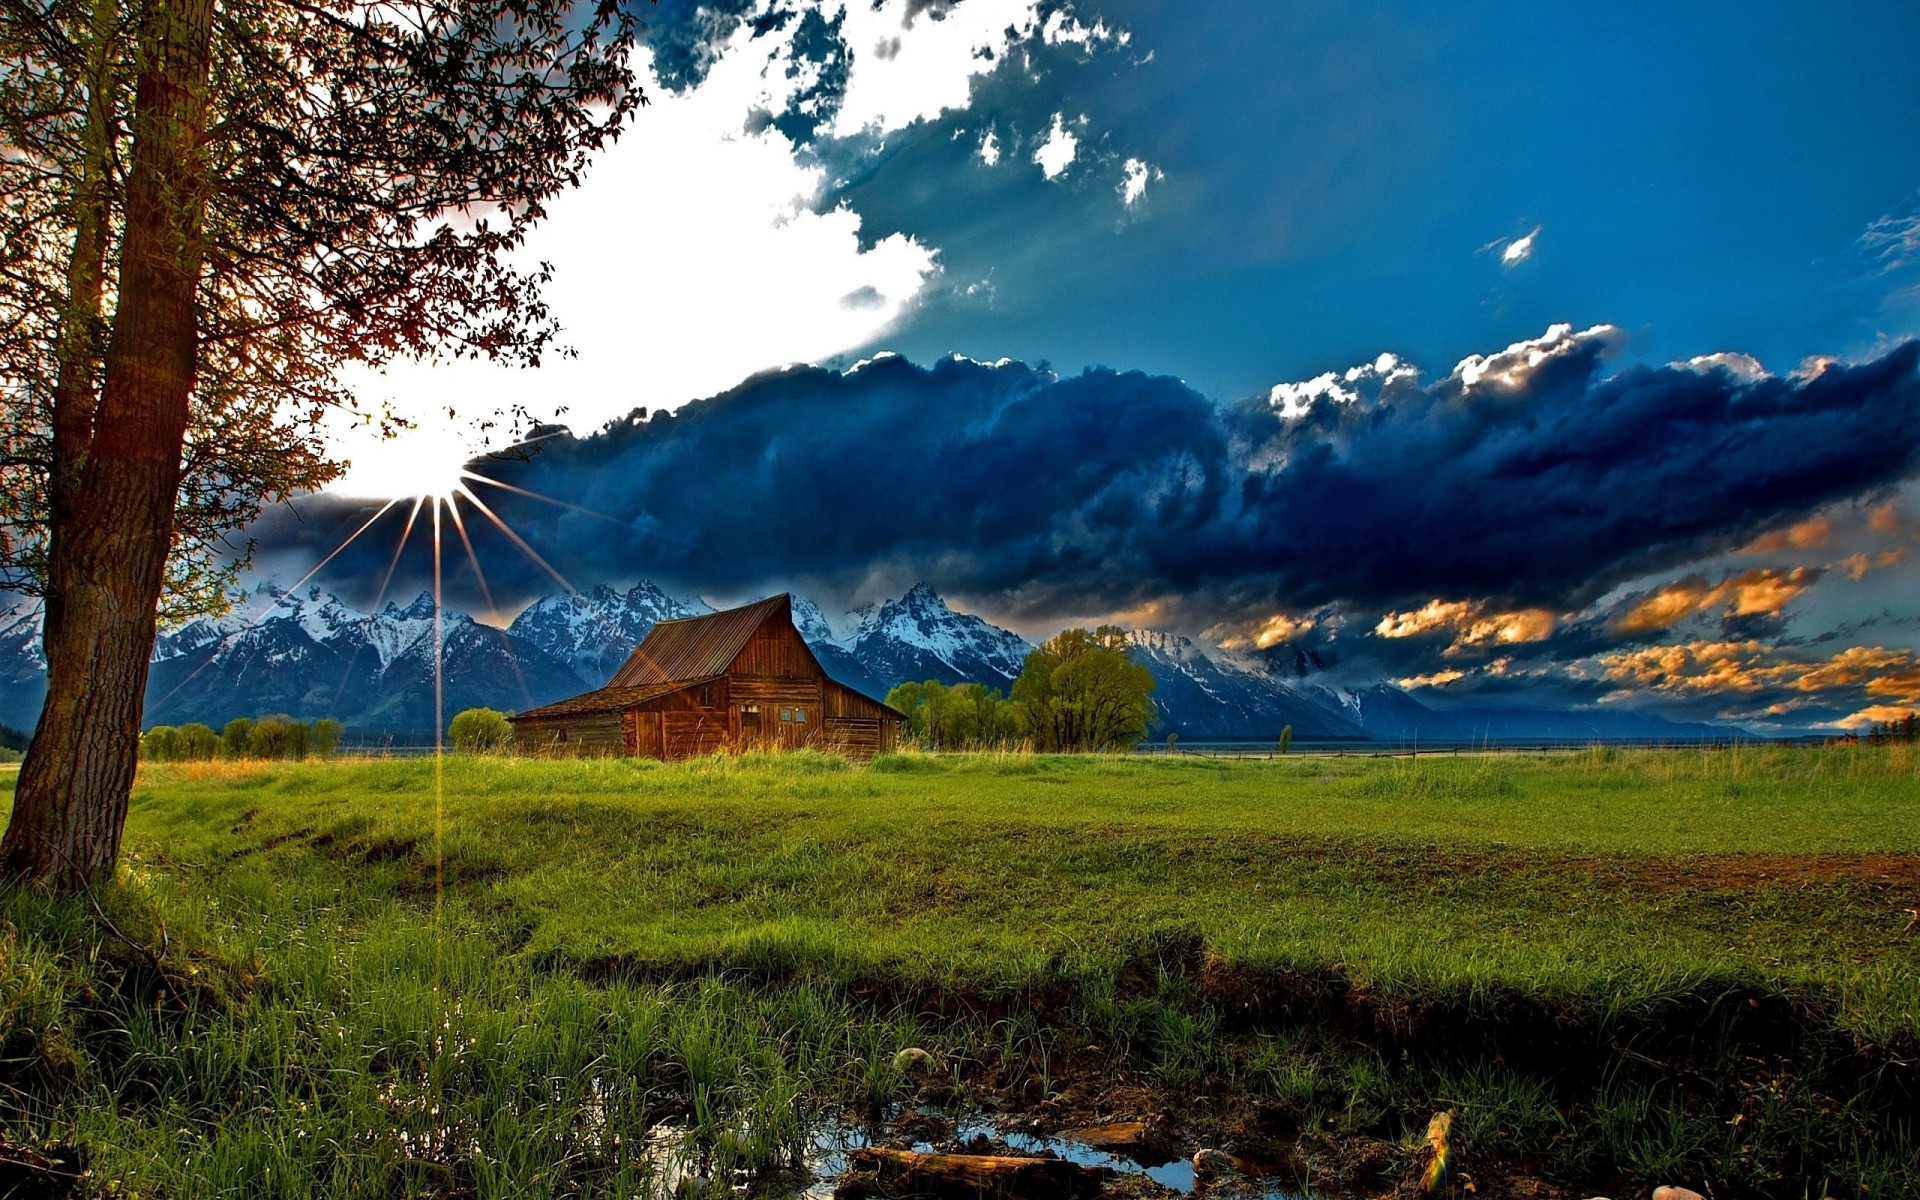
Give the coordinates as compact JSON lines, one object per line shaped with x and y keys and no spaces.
{"x":311,"y":654}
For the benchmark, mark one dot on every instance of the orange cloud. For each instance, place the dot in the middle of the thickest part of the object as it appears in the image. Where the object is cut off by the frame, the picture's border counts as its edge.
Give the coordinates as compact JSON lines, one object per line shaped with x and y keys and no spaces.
{"x":1810,"y":533}
{"x":1437,"y":679}
{"x":1470,"y":622}
{"x":1280,"y":627}
{"x":1885,"y":519}
{"x":1876,"y":714}
{"x":1749,"y":666}
{"x":1762,"y":591}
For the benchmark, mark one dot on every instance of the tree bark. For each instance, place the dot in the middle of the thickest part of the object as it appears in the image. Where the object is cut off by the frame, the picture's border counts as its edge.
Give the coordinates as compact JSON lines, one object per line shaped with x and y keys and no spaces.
{"x":109,"y":550}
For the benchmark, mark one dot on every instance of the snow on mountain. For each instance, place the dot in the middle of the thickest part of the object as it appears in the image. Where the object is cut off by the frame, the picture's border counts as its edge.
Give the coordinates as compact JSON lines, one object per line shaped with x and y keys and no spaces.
{"x":1202,"y":697}
{"x":593,"y":633}
{"x":918,"y":637}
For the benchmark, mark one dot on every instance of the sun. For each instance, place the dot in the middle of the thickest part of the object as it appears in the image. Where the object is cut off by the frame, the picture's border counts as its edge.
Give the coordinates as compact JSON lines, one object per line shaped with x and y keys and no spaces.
{"x":418,"y":463}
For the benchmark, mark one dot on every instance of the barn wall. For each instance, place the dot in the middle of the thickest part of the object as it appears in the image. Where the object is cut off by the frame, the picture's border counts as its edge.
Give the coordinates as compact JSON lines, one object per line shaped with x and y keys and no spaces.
{"x":587,"y":736}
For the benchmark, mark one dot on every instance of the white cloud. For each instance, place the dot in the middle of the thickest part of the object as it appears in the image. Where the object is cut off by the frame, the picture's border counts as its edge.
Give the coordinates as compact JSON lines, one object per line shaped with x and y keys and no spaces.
{"x":1743,"y":367}
{"x":692,"y":256}
{"x":689,"y":259}
{"x":1514,"y":366}
{"x":1892,"y":242}
{"x":1057,"y":152}
{"x":935,"y":64}
{"x":1133,"y":185}
{"x":1368,"y":380}
{"x":1520,"y":249}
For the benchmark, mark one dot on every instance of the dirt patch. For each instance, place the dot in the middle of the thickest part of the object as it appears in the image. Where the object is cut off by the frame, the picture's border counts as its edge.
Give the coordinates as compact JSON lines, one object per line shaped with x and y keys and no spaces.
{"x":1773,"y":872}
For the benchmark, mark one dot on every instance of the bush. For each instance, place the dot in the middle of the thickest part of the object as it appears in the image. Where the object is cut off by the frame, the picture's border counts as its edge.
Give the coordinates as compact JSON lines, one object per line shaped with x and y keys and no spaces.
{"x":326,"y":737}
{"x":480,"y":730}
{"x":162,"y":743}
{"x":236,"y":740}
{"x":198,"y":743}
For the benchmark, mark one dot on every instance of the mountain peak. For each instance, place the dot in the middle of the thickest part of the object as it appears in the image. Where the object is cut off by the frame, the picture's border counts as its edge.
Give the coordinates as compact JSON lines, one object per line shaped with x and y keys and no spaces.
{"x":922,"y":595}
{"x":420,"y":610}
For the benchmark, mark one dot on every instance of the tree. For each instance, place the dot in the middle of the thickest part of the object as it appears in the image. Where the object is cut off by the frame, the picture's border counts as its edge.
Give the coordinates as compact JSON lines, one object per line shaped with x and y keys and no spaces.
{"x":1286,"y":738}
{"x":479,"y":730}
{"x":210,"y":209}
{"x":161,"y":744}
{"x":962,"y":717}
{"x":1173,"y":743}
{"x":236,"y":737}
{"x":326,"y":736}
{"x":1080,"y":691}
{"x":198,"y":743}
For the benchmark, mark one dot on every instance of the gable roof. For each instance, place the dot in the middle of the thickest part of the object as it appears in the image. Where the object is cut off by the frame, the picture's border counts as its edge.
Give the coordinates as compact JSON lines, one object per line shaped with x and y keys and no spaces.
{"x":606,"y":699}
{"x":693,"y":648}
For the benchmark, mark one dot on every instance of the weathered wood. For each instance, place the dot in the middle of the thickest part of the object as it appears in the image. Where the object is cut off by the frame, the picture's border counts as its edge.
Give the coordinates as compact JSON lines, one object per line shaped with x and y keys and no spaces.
{"x":769,"y":693}
{"x":969,"y":1176}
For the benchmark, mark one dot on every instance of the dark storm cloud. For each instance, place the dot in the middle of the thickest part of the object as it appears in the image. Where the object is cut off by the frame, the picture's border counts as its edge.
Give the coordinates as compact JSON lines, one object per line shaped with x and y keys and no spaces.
{"x":1107,"y":489}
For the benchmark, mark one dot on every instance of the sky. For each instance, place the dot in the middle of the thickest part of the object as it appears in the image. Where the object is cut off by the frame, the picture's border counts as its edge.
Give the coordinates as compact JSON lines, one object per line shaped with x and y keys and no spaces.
{"x":1495,"y":351}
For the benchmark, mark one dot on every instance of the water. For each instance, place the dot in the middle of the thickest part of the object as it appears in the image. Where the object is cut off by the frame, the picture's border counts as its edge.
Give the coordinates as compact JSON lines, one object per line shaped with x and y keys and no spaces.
{"x":832,"y":1143}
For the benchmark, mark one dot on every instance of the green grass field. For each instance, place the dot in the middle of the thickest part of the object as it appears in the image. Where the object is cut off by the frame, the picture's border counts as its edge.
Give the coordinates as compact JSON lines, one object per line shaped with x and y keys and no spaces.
{"x":435,"y":970}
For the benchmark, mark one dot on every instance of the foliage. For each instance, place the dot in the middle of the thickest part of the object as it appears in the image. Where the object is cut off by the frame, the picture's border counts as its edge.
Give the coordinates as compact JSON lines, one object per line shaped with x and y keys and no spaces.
{"x":326,"y":736}
{"x":1286,"y":738}
{"x":1080,"y":691}
{"x":963,"y":717}
{"x":236,"y":738}
{"x":368,"y":169}
{"x":13,"y":739}
{"x":479,"y":731}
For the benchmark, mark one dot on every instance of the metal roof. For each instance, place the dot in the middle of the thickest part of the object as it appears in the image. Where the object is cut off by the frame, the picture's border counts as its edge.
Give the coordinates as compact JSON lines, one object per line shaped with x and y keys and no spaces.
{"x":693,"y":648}
{"x":606,"y":699}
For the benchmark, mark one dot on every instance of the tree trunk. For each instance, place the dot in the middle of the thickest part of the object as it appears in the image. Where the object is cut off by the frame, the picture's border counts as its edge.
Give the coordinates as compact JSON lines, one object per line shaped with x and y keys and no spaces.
{"x":109,"y":552}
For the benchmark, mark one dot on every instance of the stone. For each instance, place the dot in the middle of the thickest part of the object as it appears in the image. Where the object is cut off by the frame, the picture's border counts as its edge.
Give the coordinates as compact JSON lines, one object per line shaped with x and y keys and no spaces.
{"x":1211,"y":1164}
{"x":1676,"y":1193}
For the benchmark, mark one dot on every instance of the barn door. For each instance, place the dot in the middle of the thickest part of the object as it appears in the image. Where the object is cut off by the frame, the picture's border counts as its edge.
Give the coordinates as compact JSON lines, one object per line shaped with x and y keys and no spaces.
{"x":750,"y":735}
{"x":644,"y":736}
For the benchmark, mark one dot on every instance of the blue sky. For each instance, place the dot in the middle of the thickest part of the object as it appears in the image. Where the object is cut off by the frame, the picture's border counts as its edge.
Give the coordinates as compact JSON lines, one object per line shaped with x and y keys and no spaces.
{"x":1447,"y":281}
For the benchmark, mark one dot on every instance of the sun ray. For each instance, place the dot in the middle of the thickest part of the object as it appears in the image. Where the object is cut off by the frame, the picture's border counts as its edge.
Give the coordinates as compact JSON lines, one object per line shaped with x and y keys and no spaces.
{"x":386,"y":581}
{"x":520,"y":491}
{"x":530,"y":552}
{"x":297,"y":585}
{"x":486,"y":593}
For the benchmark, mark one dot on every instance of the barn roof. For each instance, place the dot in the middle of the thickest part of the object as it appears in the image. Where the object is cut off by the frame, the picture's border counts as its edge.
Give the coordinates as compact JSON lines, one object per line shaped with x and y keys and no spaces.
{"x":606,"y":699}
{"x":694,"y":648}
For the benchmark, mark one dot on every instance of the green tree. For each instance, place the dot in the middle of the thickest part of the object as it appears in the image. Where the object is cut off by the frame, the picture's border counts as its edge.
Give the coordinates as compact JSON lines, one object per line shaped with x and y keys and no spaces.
{"x":479,"y":730}
{"x":1173,"y":743}
{"x":326,"y":737}
{"x":198,"y":743}
{"x":962,"y":717}
{"x":162,"y":743}
{"x":1286,"y":738}
{"x":210,"y":208}
{"x":1080,"y":691}
{"x":236,"y":738}
{"x":272,"y":737}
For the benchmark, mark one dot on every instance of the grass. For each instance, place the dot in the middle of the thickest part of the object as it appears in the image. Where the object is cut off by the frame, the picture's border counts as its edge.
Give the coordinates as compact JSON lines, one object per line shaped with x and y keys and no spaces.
{"x":508,"y":984}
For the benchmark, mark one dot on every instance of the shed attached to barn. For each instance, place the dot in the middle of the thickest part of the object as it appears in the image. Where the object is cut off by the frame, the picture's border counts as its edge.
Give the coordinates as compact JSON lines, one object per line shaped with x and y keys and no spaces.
{"x":743,"y":679}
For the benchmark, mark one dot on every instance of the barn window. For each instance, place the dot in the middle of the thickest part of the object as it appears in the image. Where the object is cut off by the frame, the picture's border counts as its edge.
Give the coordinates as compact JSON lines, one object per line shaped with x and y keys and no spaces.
{"x":800,"y":715}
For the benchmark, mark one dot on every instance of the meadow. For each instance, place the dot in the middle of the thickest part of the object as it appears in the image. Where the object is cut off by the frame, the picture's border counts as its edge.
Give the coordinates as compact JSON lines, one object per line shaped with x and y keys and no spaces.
{"x":500,"y":976}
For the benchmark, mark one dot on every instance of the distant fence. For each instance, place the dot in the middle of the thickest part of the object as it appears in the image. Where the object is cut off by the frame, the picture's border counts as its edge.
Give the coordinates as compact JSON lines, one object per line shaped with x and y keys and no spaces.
{"x":1253,"y":750}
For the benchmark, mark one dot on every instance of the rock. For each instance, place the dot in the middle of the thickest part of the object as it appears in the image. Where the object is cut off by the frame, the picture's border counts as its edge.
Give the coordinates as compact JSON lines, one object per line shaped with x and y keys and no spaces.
{"x":1676,"y":1193}
{"x":915,"y":1060}
{"x":970,"y":1176}
{"x":1211,"y":1164}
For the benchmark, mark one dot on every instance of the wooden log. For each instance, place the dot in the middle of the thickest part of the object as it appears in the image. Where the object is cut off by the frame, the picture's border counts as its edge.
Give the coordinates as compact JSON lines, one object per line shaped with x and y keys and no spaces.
{"x":1114,"y":1135}
{"x":970,"y":1176}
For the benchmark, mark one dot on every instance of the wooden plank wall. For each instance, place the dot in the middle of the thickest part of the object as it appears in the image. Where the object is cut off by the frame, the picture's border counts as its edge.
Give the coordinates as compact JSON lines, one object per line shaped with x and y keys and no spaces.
{"x":590,"y":735}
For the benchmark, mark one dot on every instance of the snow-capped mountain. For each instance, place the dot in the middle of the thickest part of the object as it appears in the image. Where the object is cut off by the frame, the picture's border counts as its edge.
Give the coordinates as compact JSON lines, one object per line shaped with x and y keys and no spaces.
{"x":1204,"y":698}
{"x":595,"y":632}
{"x":311,"y":654}
{"x":918,"y":637}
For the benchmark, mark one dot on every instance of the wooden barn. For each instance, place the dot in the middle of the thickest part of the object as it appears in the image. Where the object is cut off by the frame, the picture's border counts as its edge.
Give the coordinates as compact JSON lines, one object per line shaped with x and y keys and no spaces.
{"x":743,"y":679}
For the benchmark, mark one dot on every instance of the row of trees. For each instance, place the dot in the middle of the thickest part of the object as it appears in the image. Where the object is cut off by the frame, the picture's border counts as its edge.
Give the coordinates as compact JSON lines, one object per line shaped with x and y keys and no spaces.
{"x":1903,"y":729}
{"x":1079,"y":691}
{"x":243,"y":737}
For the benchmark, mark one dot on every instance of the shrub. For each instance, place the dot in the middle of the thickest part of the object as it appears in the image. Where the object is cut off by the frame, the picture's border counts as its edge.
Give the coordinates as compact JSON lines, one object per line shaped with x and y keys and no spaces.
{"x":479,"y":730}
{"x":162,"y":743}
{"x":326,"y":737}
{"x":198,"y":743}
{"x":236,"y":740}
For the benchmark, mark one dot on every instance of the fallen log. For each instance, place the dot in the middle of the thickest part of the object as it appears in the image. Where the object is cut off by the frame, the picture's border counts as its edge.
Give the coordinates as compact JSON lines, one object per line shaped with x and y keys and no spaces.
{"x":902,"y":1173}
